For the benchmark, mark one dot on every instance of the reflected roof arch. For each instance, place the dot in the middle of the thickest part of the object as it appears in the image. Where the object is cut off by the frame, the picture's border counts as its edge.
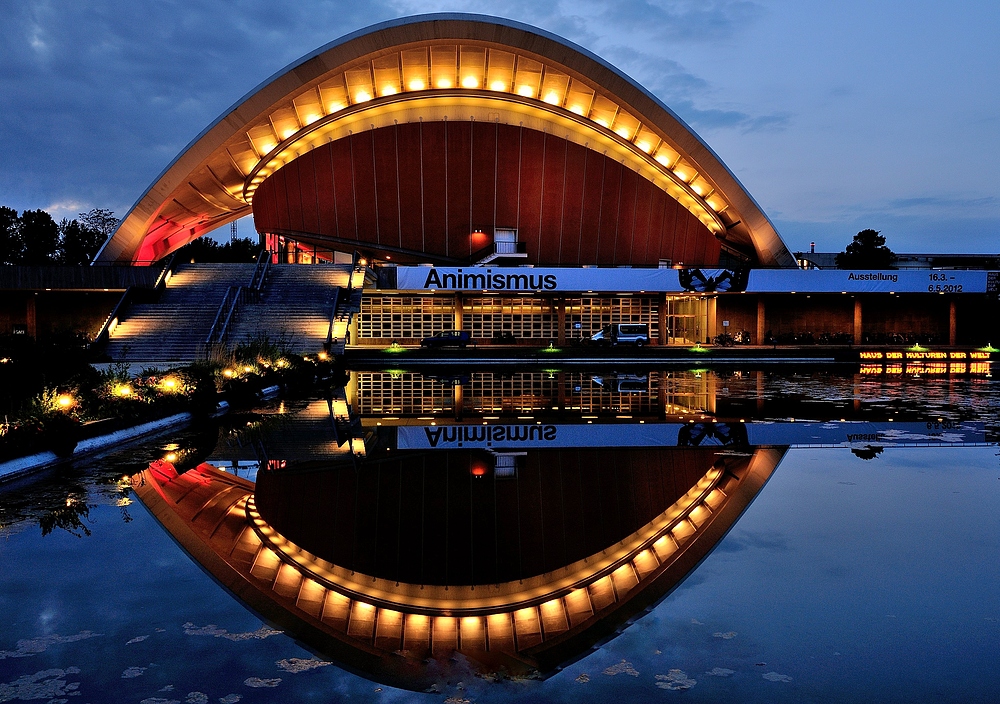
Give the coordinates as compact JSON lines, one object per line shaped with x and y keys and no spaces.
{"x":431,"y":64}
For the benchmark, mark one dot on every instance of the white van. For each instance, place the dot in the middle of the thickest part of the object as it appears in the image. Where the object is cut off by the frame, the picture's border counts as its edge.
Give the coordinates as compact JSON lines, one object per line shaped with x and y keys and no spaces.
{"x":622,"y":334}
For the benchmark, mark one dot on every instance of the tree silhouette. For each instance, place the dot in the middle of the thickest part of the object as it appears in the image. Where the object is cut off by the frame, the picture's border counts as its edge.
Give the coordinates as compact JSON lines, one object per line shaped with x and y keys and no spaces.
{"x":40,"y":237}
{"x":11,"y":247}
{"x":867,"y":251}
{"x":78,"y":243}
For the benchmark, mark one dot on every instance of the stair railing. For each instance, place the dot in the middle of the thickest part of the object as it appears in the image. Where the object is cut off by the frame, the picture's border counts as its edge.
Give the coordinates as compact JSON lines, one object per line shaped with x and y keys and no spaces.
{"x":333,"y":316}
{"x":223,"y":315}
{"x":259,"y":277}
{"x":114,"y":318}
{"x":131,"y":293}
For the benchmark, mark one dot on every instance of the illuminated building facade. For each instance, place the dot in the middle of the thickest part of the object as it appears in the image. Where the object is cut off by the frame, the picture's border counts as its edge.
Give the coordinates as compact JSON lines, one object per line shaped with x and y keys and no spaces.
{"x":420,"y":138}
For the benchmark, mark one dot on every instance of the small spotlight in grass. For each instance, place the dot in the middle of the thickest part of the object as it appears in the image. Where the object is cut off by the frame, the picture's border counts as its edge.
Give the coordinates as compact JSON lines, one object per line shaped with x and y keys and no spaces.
{"x":228,"y":373}
{"x":65,"y":401}
{"x":170,"y":457}
{"x":989,"y":348}
{"x":323,"y":356}
{"x":123,"y":390}
{"x":698,"y":348}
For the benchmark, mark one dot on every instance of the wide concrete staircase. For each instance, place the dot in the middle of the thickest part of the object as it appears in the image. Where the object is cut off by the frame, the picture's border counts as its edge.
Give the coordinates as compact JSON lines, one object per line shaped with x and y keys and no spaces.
{"x":174,"y":328}
{"x":295,"y":307}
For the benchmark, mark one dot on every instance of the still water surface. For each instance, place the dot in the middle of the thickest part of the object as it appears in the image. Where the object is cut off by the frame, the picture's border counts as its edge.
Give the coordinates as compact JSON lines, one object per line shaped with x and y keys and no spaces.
{"x":847,"y":579}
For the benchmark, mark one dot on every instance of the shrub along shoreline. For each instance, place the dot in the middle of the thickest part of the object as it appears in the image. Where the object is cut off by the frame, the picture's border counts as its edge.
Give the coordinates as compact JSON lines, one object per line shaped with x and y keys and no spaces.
{"x":96,"y":404}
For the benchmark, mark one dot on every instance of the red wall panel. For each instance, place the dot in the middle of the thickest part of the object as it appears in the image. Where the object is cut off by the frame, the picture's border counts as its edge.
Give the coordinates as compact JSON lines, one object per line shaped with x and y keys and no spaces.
{"x":626,"y":217}
{"x":307,"y":192}
{"x":326,"y":202}
{"x":610,"y":208}
{"x":459,"y":198}
{"x":435,"y":210}
{"x":640,"y":232}
{"x":576,"y":162}
{"x":411,"y":204}
{"x":553,"y":183}
{"x":530,"y":198}
{"x":484,"y":169}
{"x":343,"y":189}
{"x":592,"y":206}
{"x":426,"y":186}
{"x":508,"y":174}
{"x":363,"y":162}
{"x":386,"y":186}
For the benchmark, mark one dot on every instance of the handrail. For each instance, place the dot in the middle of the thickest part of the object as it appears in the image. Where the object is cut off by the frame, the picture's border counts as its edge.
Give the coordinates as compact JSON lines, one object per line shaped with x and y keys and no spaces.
{"x":237,"y":299}
{"x":114,"y":317}
{"x":260,"y":273}
{"x":333,"y":316}
{"x":215,"y":323}
{"x":112,"y":320}
{"x":165,"y":273}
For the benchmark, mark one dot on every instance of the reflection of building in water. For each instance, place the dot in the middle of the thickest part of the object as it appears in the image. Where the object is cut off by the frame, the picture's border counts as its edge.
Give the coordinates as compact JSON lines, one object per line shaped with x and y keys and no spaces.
{"x":645,"y":393}
{"x":516,"y":560}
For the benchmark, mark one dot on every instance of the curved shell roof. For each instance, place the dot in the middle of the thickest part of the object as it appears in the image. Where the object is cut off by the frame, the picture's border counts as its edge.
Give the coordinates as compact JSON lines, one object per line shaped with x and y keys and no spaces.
{"x":428,"y":67}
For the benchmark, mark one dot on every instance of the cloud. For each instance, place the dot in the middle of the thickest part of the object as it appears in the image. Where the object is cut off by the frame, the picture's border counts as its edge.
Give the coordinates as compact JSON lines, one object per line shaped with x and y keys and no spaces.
{"x":99,"y":97}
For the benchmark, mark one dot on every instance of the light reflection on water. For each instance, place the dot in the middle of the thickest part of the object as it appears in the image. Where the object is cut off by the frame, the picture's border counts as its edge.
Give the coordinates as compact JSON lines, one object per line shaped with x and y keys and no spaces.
{"x":847,"y":579}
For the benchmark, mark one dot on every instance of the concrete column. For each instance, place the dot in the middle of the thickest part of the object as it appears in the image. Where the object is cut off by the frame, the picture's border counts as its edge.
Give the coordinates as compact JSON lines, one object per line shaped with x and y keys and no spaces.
{"x":952,"y":323}
{"x":560,"y":309}
{"x":661,"y":393}
{"x":459,"y":401}
{"x":712,"y":326}
{"x":761,"y":320}
{"x":459,"y":311}
{"x":857,"y":321}
{"x":352,"y":329}
{"x":661,"y":313}
{"x":31,"y":316}
{"x":711,"y":392}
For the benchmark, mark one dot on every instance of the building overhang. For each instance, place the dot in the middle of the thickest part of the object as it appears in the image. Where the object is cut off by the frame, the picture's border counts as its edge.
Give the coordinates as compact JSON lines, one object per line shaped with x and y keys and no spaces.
{"x":434,"y":67}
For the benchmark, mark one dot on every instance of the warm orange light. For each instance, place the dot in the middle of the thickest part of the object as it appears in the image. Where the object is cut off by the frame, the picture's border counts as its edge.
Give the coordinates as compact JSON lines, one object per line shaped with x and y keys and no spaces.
{"x":443,"y":83}
{"x":602,"y":122}
{"x":336,"y":107}
{"x":312,"y":118}
{"x":287,"y":133}
{"x":227,"y":373}
{"x":323,"y":356}
{"x":267,"y":147}
{"x":552,"y":98}
{"x":622,"y":132}
{"x":470,"y":82}
{"x":498,"y":85}
{"x":65,"y":401}
{"x":578,"y":109}
{"x":362,"y":96}
{"x":123,"y":390}
{"x":526,"y":91}
{"x":416,"y":84}
{"x":247,"y":369}
{"x":171,"y":457}
{"x":644,"y":146}
{"x":389,"y":90}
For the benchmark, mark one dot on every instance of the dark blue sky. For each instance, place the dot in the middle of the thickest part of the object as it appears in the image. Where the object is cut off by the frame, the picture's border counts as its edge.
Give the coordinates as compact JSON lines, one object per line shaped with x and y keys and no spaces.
{"x":836,"y":116}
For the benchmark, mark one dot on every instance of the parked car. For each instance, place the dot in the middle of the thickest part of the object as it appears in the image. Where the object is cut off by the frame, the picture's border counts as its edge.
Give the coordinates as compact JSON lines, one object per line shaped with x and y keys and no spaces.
{"x":622,"y":334}
{"x":448,"y":338}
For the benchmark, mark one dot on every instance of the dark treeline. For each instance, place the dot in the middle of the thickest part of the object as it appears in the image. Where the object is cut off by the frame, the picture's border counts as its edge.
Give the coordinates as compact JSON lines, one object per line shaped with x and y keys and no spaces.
{"x":35,"y":238}
{"x":205,"y":249}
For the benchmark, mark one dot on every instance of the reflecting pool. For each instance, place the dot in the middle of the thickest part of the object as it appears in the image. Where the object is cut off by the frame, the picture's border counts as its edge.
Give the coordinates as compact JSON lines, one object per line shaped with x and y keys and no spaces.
{"x":531,"y":535}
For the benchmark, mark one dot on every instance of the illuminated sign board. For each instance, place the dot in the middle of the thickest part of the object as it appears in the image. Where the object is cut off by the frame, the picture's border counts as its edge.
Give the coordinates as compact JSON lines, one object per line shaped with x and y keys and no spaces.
{"x":531,"y":279}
